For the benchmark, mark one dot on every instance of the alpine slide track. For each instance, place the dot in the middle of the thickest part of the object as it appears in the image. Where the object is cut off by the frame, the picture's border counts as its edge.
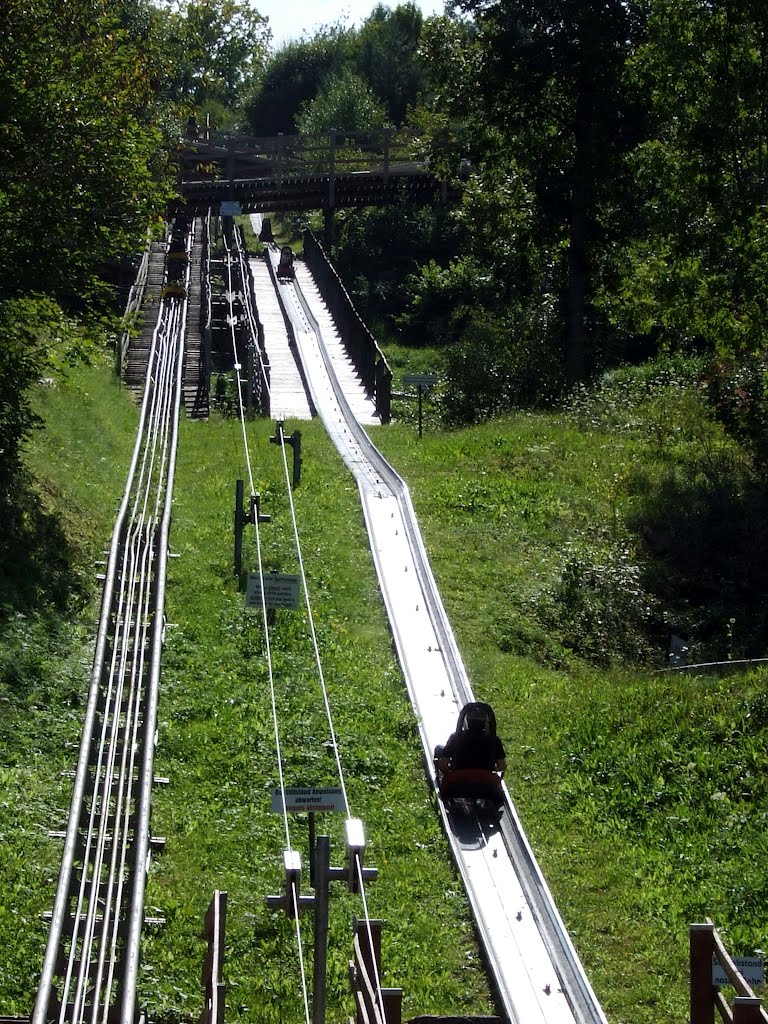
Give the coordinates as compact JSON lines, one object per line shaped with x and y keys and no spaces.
{"x":301,"y":354}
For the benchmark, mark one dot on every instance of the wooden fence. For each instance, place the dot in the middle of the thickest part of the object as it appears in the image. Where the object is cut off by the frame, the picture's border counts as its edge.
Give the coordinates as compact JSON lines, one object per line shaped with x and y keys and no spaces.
{"x":706,"y":944}
{"x":373,"y":1004}
{"x":360,"y":344}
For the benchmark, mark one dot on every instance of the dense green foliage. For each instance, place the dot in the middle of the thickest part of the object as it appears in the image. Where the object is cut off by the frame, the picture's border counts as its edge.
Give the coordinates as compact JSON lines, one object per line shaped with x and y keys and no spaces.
{"x":213,"y":51}
{"x":346,"y":103}
{"x":383,"y":53}
{"x":614,"y":207}
{"x":80,"y":154}
{"x":83,"y":175}
{"x":613,"y":211}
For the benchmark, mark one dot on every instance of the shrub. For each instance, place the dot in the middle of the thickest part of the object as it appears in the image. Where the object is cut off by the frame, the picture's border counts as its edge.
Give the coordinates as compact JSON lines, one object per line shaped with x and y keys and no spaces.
{"x":738,"y":393}
{"x":502,"y":362}
{"x":600,"y":609}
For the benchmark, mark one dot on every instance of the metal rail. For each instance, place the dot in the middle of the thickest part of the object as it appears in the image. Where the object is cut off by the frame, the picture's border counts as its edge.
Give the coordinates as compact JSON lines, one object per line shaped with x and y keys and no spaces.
{"x":91,"y":960}
{"x":537,"y":973}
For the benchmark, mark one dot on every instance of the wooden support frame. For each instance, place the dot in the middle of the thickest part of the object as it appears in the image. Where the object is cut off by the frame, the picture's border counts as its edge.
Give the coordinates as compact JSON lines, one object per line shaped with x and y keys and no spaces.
{"x":373,"y":1004}
{"x":704,"y":944}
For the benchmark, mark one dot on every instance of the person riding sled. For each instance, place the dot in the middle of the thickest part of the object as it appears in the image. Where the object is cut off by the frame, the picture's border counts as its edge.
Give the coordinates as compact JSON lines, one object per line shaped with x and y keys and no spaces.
{"x":471,"y":764}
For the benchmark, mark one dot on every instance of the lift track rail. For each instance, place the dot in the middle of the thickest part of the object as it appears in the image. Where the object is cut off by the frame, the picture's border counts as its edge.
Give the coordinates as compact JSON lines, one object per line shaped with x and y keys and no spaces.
{"x":538,"y":975}
{"x":92,"y":955}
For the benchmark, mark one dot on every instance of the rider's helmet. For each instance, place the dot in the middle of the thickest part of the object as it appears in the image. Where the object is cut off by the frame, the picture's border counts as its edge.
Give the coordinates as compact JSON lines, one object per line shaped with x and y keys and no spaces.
{"x":478,"y":717}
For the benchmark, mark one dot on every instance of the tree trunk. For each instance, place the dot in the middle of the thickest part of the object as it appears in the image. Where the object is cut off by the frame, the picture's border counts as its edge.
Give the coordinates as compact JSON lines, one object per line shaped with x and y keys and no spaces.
{"x":581,"y":191}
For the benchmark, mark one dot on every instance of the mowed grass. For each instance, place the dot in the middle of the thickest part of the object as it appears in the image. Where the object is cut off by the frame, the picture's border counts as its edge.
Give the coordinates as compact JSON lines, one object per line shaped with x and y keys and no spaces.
{"x":217,"y":744}
{"x":644,"y":795}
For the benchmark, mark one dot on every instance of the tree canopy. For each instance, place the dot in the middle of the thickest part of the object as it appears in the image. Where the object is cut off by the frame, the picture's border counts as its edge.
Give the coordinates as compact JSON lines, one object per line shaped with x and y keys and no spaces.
{"x":383,"y":53}
{"x":82,"y":166}
{"x":214,"y":51}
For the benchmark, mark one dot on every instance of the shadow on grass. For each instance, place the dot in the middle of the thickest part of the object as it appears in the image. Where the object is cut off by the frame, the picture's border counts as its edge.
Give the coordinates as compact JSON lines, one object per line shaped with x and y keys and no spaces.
{"x":705,"y":540}
{"x":37,"y":559}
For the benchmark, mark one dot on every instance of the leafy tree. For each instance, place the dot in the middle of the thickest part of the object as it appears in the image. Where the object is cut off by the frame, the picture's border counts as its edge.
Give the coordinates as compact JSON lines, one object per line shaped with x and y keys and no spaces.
{"x":378,"y":248}
{"x":388,"y":57}
{"x":696,"y":272}
{"x":215,"y":49}
{"x":292,"y":79}
{"x":82,"y":176}
{"x":550,"y":77}
{"x":345,"y":102}
{"x":82,"y":171}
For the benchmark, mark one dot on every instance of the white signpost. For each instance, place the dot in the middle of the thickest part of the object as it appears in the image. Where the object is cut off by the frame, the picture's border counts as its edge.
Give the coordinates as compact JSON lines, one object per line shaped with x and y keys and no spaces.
{"x":281,"y":590}
{"x":329,"y":798}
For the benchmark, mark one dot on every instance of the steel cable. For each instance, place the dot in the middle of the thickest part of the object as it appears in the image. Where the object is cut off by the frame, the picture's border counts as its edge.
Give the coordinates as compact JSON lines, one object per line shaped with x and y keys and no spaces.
{"x":268,"y":648}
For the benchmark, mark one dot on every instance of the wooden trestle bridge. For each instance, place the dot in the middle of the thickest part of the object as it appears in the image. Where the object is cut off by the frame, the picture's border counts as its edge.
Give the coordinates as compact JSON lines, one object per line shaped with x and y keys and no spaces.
{"x":239,"y":174}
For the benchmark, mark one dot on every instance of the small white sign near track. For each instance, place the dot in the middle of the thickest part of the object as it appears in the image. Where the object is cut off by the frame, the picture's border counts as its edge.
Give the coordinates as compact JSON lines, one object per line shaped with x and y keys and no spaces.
{"x":329,"y":798}
{"x":749,"y":967}
{"x":281,"y":590}
{"x":421,"y":380}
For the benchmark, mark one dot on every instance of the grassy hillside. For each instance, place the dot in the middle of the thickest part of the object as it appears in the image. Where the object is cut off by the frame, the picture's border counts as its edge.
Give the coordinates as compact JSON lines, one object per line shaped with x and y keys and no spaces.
{"x":643,"y":793}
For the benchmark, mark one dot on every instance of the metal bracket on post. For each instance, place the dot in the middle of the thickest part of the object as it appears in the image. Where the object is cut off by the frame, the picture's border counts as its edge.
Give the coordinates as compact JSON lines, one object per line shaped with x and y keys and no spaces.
{"x":291,"y":900}
{"x":354,"y":870}
{"x":295,"y":442}
{"x":242,"y":518}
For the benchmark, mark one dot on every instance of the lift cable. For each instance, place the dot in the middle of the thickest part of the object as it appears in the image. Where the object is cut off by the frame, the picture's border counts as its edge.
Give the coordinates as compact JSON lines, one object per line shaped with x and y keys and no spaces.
{"x":318,"y":661}
{"x":358,"y":867}
{"x":273,"y":697}
{"x":312,"y":630}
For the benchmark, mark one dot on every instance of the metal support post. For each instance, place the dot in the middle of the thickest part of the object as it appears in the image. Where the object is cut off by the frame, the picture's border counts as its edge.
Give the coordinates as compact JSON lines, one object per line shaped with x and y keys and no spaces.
{"x":387,"y":143}
{"x":231,"y":168}
{"x":328,"y":227}
{"x":332,"y":169}
{"x":312,"y":849}
{"x":322,"y":868}
{"x":240,"y":520}
{"x":291,"y":902}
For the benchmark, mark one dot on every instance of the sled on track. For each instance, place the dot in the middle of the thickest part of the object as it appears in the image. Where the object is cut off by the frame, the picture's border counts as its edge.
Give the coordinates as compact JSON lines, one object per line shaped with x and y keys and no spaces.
{"x":285,"y":268}
{"x":474,"y":789}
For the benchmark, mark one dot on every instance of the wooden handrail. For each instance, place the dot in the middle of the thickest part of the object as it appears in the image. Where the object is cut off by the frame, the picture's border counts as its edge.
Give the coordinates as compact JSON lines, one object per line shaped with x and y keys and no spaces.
{"x":704,"y":944}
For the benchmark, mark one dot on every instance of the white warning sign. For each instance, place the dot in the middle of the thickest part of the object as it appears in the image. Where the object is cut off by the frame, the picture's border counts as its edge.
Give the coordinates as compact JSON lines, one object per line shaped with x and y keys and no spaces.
{"x":281,"y":590}
{"x":329,"y":798}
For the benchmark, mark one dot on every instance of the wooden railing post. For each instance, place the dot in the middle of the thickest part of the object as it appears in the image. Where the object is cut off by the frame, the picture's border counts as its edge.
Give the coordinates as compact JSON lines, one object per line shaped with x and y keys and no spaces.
{"x":213,"y":986}
{"x":373,"y":1003}
{"x":746,"y":1010}
{"x":701,"y":944}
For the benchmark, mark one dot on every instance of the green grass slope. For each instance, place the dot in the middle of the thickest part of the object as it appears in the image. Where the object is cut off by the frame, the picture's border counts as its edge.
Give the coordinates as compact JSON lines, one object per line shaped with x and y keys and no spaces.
{"x":643,"y":794}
